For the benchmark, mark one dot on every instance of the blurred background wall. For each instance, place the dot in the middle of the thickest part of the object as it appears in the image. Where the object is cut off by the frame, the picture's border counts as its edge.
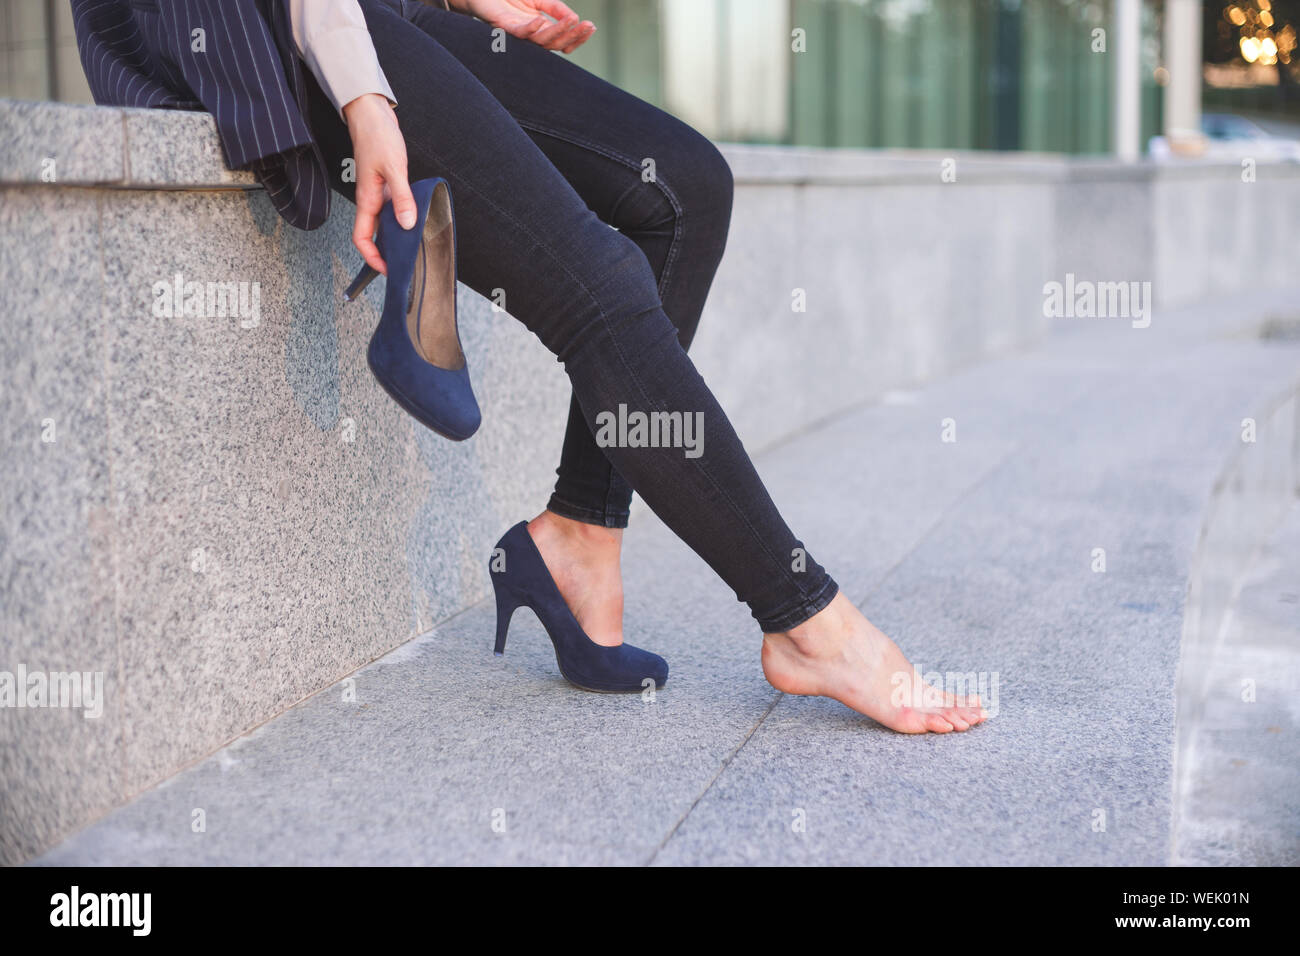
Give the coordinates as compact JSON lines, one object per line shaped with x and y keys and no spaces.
{"x":958,"y":74}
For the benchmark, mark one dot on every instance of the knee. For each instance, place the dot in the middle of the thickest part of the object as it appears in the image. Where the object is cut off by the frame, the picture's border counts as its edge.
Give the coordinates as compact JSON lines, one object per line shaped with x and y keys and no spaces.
{"x":715,"y":174}
{"x":620,"y":277}
{"x":700,"y":179}
{"x":691,"y":186}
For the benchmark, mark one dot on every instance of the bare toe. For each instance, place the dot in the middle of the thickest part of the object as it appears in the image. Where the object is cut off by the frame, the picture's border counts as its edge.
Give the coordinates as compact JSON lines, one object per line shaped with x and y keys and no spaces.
{"x":936,"y":723}
{"x":955,"y":718}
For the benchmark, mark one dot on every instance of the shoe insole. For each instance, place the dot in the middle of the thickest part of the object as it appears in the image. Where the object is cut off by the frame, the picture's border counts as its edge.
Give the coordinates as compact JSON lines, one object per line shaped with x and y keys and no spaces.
{"x":431,"y":302}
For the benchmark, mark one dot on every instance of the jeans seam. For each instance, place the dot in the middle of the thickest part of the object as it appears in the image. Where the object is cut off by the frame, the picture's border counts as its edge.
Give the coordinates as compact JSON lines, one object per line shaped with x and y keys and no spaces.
{"x":609,"y":486}
{"x":575,"y":510}
{"x":679,"y":211}
{"x":803,"y":611}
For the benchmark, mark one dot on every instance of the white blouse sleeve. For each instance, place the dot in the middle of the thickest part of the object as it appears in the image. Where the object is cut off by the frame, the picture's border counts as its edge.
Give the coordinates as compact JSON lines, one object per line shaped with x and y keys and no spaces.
{"x":332,"y":39}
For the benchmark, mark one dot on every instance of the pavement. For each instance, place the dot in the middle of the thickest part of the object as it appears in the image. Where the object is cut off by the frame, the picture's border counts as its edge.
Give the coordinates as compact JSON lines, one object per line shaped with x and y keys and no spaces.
{"x":979,"y":556}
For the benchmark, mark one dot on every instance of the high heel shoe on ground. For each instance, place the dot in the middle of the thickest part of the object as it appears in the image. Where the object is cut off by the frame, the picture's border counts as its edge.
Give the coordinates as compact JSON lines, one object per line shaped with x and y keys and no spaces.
{"x":520,"y":579}
{"x":415,"y":352}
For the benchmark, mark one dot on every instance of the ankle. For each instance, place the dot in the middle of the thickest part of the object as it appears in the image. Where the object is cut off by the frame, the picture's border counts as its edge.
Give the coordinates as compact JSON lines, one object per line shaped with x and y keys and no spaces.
{"x":578,"y":535}
{"x":836,"y":620}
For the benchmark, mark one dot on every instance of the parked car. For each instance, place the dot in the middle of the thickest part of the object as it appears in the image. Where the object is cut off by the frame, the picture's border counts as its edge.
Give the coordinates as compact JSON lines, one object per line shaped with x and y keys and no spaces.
{"x":1233,"y":138}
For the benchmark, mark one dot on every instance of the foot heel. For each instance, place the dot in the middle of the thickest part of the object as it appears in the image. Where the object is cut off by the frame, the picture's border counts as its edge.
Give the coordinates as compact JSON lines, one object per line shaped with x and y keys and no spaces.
{"x":364,"y":278}
{"x":506,"y":605}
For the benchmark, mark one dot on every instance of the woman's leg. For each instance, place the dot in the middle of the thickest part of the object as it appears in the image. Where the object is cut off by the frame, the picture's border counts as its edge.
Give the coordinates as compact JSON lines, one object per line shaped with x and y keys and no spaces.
{"x":661,"y":184}
{"x":590,"y":295}
{"x":640,"y":170}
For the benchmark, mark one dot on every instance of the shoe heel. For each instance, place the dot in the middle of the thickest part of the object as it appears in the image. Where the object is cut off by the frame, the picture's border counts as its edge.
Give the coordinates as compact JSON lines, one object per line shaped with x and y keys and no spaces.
{"x":364,"y":278}
{"x":506,"y":605}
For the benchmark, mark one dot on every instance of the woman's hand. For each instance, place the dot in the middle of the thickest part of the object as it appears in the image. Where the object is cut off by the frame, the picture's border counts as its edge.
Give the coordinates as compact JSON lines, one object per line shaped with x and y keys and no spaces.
{"x":380,"y":155}
{"x":528,"y":20}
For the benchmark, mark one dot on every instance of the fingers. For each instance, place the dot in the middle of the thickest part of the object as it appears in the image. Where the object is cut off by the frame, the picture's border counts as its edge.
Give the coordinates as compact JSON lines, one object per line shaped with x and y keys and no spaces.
{"x":403,"y":202}
{"x":580,"y":36}
{"x":372,"y":192}
{"x":380,"y":153}
{"x":539,"y":30}
{"x":565,"y":34}
{"x":370,"y":198}
{"x":556,"y":9}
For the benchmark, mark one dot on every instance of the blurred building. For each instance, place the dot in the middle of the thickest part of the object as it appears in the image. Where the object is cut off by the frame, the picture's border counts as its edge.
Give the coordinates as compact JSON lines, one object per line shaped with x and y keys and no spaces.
{"x":959,"y":74}
{"x":1252,"y":64}
{"x":977,"y":74}
{"x":38,"y":52}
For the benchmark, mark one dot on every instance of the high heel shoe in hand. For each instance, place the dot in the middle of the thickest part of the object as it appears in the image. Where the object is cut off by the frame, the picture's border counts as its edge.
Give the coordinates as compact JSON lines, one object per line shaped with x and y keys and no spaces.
{"x":415,"y":352}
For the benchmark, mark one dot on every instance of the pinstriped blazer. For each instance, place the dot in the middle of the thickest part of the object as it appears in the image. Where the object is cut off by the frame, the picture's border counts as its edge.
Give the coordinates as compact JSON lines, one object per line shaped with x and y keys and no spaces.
{"x":242,"y":68}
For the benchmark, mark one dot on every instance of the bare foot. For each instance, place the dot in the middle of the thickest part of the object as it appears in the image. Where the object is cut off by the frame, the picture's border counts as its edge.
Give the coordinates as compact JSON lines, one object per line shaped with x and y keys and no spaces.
{"x":584,"y":561}
{"x":839,"y":653}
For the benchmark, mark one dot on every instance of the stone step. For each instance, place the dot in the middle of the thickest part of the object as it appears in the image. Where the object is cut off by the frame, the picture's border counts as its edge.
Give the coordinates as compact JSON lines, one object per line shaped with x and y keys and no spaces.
{"x":978,"y":555}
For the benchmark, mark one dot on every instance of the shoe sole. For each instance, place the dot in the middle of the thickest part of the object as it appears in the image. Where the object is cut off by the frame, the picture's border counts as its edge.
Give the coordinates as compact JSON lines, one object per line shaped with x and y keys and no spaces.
{"x":407,"y":406}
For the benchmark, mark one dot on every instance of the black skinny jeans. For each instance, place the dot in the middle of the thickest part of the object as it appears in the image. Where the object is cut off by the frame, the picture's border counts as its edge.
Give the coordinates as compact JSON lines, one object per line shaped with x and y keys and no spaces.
{"x":542,"y":158}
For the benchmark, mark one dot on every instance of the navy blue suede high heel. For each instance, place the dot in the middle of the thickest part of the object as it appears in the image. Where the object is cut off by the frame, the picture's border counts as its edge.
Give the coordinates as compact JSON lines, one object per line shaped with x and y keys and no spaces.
{"x":415,"y":353}
{"x":520,"y":579}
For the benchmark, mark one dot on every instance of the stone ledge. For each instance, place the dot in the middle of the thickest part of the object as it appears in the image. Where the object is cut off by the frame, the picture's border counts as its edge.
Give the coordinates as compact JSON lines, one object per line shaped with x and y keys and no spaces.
{"x":111,"y":146}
